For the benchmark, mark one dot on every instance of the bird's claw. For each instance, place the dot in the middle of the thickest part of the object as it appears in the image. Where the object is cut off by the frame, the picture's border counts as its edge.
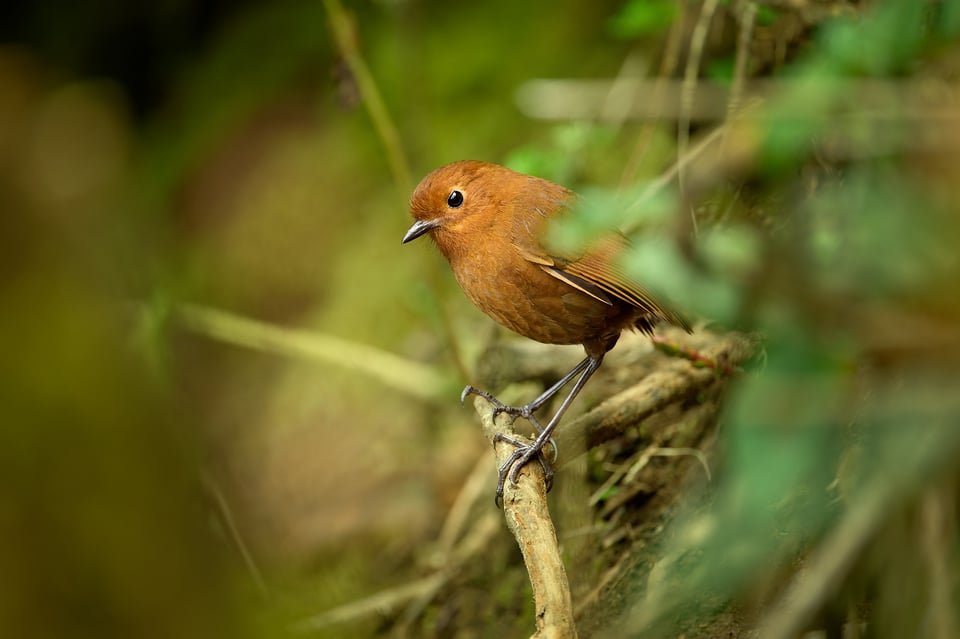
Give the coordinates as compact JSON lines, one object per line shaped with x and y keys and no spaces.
{"x":467,"y":391}
{"x":524,"y":452}
{"x":510,"y":469}
{"x":526,"y":411}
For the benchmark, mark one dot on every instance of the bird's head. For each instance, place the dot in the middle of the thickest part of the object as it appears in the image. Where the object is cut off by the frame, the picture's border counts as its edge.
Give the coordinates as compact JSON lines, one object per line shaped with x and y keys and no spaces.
{"x":458,"y":197}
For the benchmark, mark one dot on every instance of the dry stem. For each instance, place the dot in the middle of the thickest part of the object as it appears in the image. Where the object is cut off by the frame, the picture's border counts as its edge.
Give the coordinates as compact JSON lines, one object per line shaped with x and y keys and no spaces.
{"x":528,"y":518}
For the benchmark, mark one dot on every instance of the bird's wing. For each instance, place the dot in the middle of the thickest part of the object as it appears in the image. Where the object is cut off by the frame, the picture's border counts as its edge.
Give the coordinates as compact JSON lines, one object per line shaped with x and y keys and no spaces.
{"x":582,"y":284}
{"x":596,"y":274}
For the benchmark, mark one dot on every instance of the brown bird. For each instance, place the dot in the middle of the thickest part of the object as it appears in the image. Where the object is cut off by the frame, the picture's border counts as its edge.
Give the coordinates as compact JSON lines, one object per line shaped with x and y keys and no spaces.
{"x":488,"y":221}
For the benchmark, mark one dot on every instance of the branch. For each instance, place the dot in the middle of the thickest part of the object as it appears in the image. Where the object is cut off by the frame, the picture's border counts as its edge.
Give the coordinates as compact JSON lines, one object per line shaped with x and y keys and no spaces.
{"x":528,"y":518}
{"x":675,"y":381}
{"x":343,"y":29}
{"x":525,"y":504}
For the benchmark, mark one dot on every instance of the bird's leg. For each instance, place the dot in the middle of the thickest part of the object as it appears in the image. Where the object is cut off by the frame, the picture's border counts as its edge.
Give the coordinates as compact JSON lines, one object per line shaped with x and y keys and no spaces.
{"x":526,"y":411}
{"x":525,"y":452}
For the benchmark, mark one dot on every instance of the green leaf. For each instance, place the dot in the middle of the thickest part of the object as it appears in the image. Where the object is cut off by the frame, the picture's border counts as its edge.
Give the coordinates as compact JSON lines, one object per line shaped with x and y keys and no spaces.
{"x":642,"y":17}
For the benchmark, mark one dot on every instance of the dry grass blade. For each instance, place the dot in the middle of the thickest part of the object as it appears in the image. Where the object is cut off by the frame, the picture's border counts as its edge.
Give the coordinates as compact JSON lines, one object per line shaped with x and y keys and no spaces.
{"x":394,"y":371}
{"x":415,"y":592}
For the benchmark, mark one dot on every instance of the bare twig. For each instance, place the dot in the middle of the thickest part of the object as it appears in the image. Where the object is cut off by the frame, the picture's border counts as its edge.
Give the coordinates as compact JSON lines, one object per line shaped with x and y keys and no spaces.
{"x":344,"y":35}
{"x":226,"y":514}
{"x":870,"y":101}
{"x":381,"y":602}
{"x":654,"y":392}
{"x":616,"y":108}
{"x":528,"y":518}
{"x":690,"y":75}
{"x":474,"y":490}
{"x":697,"y":419}
{"x":938,"y":529}
{"x":748,"y":17}
{"x":655,"y":451}
{"x":667,"y":176}
{"x":481,"y":531}
{"x":626,"y":472}
{"x":671,"y":55}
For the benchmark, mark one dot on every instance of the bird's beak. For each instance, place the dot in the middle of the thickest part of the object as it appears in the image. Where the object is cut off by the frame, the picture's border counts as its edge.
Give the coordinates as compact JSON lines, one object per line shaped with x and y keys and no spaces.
{"x":419,"y":228}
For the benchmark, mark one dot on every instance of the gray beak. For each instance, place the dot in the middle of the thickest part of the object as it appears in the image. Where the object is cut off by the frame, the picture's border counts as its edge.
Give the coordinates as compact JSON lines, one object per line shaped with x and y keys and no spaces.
{"x":419,"y":228}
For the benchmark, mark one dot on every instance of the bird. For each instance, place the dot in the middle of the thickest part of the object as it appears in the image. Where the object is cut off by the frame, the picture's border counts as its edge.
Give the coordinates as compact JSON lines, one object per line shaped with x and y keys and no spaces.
{"x":489,"y":222}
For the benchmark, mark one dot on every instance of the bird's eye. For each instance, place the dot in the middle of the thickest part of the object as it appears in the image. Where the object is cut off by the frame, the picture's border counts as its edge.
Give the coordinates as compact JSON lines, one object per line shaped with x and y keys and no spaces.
{"x":455,"y":199}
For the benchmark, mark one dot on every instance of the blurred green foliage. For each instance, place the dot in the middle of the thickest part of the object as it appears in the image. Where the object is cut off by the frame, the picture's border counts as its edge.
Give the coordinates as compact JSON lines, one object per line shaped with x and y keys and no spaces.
{"x":638,"y":18}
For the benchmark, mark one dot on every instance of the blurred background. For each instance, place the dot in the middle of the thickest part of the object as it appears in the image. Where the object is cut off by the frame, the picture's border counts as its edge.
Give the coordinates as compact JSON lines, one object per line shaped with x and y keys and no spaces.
{"x":231,"y":395}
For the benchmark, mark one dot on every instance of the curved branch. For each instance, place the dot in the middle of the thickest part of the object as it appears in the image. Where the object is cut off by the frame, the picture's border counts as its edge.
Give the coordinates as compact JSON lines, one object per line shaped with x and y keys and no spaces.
{"x":528,"y":518}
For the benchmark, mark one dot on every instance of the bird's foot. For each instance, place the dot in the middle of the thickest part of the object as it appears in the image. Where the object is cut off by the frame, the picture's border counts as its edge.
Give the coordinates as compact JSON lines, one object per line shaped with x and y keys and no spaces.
{"x":510,"y":469}
{"x":526,"y":411}
{"x":498,"y":407}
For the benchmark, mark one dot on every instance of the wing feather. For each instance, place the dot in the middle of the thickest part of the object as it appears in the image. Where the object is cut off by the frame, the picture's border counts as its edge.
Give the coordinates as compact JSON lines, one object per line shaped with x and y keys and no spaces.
{"x":583,"y":285}
{"x":597,"y":275}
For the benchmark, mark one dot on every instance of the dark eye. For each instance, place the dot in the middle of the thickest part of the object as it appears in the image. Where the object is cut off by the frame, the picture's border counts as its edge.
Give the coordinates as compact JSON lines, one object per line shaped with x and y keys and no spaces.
{"x":455,"y":199}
